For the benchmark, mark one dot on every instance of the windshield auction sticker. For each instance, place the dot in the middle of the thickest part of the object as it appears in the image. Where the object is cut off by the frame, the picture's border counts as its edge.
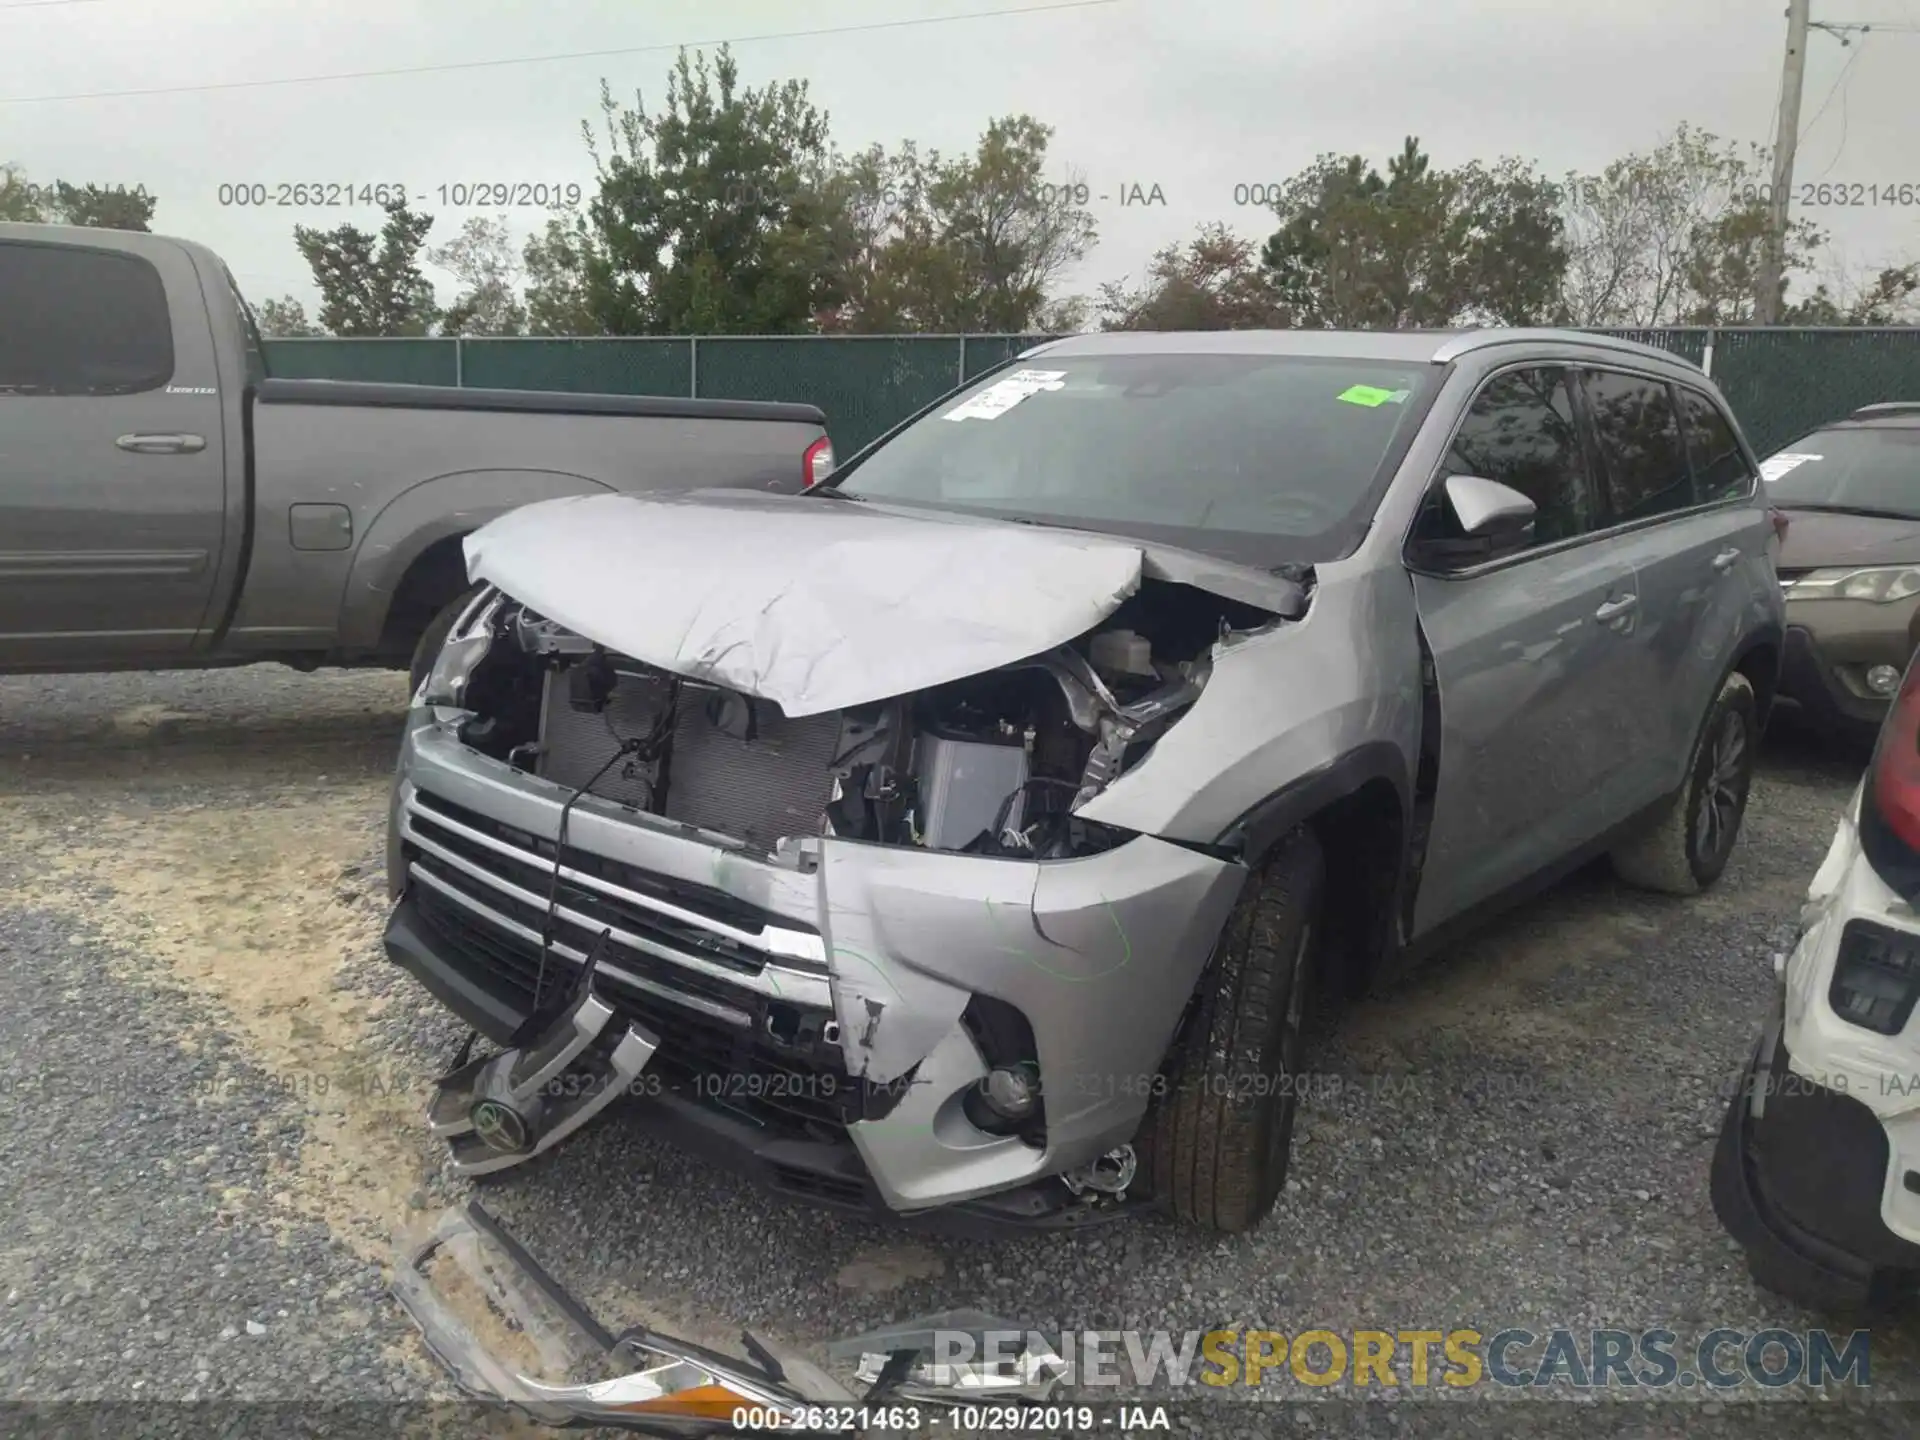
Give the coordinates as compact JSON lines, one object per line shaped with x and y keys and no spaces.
{"x":1371,"y":395}
{"x":1001,"y":396}
{"x":1778,"y":465}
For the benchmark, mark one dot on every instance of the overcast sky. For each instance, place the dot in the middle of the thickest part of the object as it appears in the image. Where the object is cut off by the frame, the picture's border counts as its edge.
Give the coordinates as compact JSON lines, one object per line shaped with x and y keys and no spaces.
{"x":1192,"y":97}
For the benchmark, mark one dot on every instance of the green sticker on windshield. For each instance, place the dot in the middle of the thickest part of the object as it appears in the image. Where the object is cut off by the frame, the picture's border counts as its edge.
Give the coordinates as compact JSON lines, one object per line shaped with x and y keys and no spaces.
{"x":1369,"y":395}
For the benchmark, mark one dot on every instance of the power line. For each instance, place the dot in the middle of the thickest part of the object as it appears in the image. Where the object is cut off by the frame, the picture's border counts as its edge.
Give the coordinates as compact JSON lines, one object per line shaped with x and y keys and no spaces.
{"x":1840,"y":89}
{"x":550,"y":59}
{"x":1833,"y":90}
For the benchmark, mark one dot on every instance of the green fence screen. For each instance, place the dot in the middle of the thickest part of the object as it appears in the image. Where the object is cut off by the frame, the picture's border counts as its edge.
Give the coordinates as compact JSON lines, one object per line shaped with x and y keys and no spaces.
{"x":1781,"y":382}
{"x":866,"y":384}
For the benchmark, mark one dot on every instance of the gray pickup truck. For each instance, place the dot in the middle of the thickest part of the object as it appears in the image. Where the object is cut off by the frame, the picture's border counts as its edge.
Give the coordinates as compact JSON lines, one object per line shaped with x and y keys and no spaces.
{"x":164,"y":504}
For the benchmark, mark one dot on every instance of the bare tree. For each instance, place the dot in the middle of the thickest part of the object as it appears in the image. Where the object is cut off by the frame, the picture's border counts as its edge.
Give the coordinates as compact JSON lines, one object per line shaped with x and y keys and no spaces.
{"x":483,"y":259}
{"x":1853,"y":294}
{"x":1672,"y":236}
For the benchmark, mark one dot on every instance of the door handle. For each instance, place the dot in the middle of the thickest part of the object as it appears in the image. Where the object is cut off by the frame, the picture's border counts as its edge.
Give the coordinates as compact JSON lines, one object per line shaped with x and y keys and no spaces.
{"x":163,"y":444}
{"x":1614,"y":609}
{"x":1724,"y":561}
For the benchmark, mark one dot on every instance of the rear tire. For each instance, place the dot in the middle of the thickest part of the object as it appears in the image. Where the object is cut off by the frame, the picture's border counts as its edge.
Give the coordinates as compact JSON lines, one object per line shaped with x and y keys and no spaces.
{"x":427,"y":649}
{"x":1215,"y":1145}
{"x":1687,"y":851}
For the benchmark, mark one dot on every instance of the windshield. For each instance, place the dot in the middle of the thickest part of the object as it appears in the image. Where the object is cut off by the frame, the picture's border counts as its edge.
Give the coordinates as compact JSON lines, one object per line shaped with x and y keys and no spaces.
{"x":1267,"y":459}
{"x":1872,"y":468}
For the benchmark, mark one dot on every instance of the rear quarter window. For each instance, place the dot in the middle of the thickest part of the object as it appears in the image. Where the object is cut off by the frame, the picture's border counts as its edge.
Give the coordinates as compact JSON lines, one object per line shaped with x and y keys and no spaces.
{"x":1720,"y":470}
{"x":75,"y":321}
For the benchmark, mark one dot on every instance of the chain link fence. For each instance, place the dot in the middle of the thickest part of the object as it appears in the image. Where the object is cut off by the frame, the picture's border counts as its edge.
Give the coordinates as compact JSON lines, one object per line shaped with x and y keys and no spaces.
{"x":1781,"y":382}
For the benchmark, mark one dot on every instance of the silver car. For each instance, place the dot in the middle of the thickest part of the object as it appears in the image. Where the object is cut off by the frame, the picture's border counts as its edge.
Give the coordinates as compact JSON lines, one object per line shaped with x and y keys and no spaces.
{"x":972,"y":832}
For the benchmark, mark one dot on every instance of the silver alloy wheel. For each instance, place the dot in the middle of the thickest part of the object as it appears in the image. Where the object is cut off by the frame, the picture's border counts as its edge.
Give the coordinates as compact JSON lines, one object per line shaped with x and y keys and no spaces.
{"x":1723,"y":792}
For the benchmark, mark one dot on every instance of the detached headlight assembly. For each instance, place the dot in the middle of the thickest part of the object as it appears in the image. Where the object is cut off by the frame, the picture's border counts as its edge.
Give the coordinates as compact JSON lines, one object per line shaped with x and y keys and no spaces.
{"x":674,"y":1381}
{"x":466,"y":646}
{"x":1881,"y":584}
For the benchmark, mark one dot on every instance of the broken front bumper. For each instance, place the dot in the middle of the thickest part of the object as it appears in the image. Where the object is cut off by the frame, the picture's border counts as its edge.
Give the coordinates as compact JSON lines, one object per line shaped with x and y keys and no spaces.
{"x":759,"y":965}
{"x":545,"y":1354}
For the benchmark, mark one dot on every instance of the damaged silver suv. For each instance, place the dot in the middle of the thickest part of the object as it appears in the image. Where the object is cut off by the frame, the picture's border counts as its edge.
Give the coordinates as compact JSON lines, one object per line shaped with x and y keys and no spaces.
{"x":971,"y":832}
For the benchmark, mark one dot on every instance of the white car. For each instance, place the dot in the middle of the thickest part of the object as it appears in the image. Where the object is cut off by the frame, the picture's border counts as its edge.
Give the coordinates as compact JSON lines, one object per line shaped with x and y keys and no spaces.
{"x":1817,"y":1172}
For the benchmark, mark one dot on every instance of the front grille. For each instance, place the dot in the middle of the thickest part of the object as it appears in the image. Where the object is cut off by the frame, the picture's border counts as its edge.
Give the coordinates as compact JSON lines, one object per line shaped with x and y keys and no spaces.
{"x":531,"y":857}
{"x":529,"y":874}
{"x":843,"y":1190}
{"x":740,"y":1068}
{"x":758,"y":791}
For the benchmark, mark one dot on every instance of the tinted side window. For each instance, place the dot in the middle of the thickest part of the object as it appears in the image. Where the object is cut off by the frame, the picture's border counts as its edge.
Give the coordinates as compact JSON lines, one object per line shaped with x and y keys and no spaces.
{"x":81,"y":322}
{"x":1720,"y":471}
{"x":1520,"y":431}
{"x":1642,"y":458}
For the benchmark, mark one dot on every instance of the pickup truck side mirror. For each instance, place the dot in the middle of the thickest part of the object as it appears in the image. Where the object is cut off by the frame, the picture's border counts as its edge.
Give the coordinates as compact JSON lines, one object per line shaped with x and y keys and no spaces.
{"x":1469,"y":521}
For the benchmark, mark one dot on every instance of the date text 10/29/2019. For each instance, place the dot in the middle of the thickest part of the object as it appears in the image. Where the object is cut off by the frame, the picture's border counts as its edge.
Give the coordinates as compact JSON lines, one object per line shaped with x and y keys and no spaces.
{"x":353,"y":194}
{"x":966,"y":1419}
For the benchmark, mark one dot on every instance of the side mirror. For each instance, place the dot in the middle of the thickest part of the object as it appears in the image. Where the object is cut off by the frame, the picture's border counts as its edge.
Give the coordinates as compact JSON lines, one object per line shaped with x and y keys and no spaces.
{"x":1474,"y":520}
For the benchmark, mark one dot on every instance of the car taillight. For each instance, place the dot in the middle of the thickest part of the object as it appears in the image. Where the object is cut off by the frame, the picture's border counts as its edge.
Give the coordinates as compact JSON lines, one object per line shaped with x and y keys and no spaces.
{"x":1876,"y":977}
{"x":817,"y":464}
{"x":1890,"y":799}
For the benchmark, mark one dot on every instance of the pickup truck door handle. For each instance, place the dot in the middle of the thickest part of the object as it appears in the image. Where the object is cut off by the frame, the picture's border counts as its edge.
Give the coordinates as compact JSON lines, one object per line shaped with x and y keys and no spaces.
{"x":163,"y":444}
{"x":1724,"y":561}
{"x":1614,"y":609}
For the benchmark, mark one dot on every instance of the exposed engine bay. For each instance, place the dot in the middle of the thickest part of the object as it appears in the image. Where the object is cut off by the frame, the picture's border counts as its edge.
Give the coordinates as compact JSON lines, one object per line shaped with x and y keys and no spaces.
{"x":994,"y":764}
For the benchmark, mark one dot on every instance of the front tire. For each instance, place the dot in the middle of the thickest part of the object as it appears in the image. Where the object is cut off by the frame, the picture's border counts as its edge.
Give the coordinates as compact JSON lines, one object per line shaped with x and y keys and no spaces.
{"x":1687,"y":851}
{"x":1215,"y":1146}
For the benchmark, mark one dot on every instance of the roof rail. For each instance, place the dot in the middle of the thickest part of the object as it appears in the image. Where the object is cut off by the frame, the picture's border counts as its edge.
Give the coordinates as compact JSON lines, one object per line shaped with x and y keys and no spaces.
{"x":1484,"y":339}
{"x":1886,"y":407}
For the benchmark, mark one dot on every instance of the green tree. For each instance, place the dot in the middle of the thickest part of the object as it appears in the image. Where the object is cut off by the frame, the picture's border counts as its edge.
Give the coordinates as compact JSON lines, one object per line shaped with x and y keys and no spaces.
{"x":866,"y":201}
{"x":482,"y":258}
{"x":17,"y":201}
{"x":1417,"y":247}
{"x":973,"y":242}
{"x":1213,"y":282}
{"x":99,"y":206}
{"x":556,"y":290}
{"x":371,"y":284}
{"x":707,"y":217}
{"x":285,"y":317}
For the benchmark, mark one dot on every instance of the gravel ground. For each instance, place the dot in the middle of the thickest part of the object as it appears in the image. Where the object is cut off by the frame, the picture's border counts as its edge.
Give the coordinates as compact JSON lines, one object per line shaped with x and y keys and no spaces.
{"x":204,"y":1054}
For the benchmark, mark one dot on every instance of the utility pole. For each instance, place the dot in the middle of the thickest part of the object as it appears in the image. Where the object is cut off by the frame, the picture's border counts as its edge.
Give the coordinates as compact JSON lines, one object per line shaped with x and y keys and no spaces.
{"x":1786,"y":136}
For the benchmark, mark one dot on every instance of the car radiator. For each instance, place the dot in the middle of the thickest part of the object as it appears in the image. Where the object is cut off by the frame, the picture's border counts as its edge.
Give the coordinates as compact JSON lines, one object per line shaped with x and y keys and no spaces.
{"x":758,"y":789}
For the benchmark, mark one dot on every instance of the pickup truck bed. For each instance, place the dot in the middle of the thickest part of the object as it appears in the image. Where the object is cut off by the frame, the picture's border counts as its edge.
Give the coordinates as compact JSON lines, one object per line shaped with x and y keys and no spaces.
{"x":166,"y":504}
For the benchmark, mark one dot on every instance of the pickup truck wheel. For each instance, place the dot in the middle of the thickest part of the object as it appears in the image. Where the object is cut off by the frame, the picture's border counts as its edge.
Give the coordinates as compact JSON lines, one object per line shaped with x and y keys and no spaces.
{"x":1215,"y":1144}
{"x":1688,"y":849}
{"x":427,"y":649}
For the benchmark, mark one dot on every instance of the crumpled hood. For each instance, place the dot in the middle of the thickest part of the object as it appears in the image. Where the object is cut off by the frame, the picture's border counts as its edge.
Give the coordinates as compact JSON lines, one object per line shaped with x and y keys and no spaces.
{"x":814,"y":604}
